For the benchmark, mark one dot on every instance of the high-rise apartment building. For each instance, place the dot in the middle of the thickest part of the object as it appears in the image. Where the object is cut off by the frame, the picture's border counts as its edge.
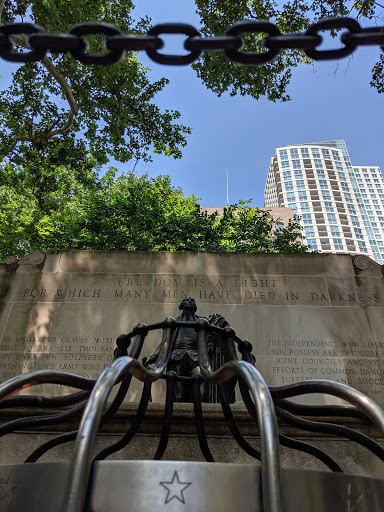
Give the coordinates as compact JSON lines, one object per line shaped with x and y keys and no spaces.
{"x":341,"y":207}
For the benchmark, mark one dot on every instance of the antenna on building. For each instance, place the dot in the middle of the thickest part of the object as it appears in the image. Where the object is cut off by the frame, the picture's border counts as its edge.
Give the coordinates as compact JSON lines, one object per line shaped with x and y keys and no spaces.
{"x":227,"y":186}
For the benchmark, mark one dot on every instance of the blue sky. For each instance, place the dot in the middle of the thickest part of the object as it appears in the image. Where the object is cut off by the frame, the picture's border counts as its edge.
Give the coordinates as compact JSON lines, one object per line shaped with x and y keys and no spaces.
{"x":330,"y":100}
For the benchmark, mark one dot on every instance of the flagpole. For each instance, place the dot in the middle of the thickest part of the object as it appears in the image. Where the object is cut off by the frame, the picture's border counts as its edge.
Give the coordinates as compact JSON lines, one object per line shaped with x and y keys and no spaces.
{"x":227,"y":186}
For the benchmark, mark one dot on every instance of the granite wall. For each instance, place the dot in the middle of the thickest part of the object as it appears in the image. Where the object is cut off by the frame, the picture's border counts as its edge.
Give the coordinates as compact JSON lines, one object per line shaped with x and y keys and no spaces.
{"x":307,"y":315}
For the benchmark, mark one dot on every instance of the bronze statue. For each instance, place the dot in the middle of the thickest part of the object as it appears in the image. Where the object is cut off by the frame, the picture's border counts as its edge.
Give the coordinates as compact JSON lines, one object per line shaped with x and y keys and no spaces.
{"x":184,"y":360}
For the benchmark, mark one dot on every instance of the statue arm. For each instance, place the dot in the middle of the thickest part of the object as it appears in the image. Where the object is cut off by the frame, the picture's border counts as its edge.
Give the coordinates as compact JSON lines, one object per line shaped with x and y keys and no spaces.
{"x":152,"y":358}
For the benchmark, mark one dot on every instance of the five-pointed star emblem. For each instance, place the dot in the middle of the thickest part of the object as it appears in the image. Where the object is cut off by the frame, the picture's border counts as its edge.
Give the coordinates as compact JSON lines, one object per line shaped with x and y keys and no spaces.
{"x":175,"y":489}
{"x":353,"y":499}
{"x":6,"y":488}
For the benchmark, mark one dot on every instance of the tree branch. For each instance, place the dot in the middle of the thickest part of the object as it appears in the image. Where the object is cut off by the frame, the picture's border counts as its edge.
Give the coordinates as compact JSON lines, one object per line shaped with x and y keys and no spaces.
{"x":14,"y":144}
{"x":66,"y":126}
{"x":22,"y":40}
{"x":47,"y":62}
{"x":2,"y":2}
{"x":66,"y":90}
{"x":39,"y":136}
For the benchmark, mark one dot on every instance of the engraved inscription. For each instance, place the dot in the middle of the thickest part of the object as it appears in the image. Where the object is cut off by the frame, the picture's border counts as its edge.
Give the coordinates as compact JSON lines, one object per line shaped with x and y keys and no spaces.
{"x":216,"y":289}
{"x":359,"y":364}
{"x":322,"y":325}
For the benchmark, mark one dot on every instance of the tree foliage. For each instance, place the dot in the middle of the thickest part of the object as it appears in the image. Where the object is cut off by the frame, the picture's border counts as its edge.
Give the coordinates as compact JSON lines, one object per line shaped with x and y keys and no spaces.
{"x":65,"y":112}
{"x":62,"y":112}
{"x":126,"y":212}
{"x":270,"y":80}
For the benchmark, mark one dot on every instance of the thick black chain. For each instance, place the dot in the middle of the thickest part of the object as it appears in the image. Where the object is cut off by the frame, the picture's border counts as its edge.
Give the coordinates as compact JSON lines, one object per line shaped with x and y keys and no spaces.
{"x":41,"y":42}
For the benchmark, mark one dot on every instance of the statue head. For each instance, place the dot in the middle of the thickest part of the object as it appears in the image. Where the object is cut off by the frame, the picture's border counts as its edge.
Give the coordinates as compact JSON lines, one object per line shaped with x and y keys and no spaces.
{"x":188,"y":303}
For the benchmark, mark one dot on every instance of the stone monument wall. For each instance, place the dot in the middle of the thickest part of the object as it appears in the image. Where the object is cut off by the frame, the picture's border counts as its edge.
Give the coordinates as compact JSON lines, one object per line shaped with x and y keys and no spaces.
{"x":307,"y":315}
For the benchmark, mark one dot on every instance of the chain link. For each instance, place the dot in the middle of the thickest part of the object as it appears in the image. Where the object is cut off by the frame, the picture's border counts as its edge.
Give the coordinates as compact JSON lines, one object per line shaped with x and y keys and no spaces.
{"x":7,"y":46}
{"x":105,"y":29}
{"x":116,"y":43}
{"x":333,"y":24}
{"x":254,"y":27}
{"x":366,"y":37}
{"x":56,"y":43}
{"x":174,"y":28}
{"x":213,"y":43}
{"x":289,"y":41}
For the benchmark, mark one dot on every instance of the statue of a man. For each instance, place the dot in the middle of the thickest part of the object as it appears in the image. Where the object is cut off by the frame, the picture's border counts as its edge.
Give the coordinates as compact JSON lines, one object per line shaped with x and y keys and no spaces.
{"x":183,"y":359}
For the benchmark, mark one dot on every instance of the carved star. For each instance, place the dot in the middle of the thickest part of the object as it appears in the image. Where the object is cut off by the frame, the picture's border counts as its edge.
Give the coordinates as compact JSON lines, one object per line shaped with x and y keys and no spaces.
{"x":7,"y":487}
{"x":353,"y":500}
{"x":175,"y":489}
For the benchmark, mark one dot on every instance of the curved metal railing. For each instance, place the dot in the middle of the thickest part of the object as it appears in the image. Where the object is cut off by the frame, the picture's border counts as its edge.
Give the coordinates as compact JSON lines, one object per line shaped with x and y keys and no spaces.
{"x":263,"y":404}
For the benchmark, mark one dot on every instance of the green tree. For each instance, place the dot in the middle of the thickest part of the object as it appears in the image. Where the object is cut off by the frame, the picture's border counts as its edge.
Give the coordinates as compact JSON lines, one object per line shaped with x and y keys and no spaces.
{"x":68,"y":114}
{"x":126,"y":212}
{"x":30,"y":219}
{"x":62,"y":113}
{"x":270,"y":80}
{"x":243,"y":228}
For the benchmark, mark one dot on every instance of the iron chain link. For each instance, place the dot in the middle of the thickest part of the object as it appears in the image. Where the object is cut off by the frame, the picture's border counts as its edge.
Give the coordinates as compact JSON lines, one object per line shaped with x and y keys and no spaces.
{"x":116,"y":44}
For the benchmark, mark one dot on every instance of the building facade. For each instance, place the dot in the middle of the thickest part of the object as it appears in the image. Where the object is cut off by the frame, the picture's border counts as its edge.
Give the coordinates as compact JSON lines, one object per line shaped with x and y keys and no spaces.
{"x":341,"y":207}
{"x":281,"y":216}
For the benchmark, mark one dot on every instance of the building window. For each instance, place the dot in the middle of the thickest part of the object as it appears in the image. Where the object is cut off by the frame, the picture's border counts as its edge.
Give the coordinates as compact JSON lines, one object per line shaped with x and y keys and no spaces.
{"x":312,"y":243}
{"x":335,"y":230}
{"x":325,"y":153}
